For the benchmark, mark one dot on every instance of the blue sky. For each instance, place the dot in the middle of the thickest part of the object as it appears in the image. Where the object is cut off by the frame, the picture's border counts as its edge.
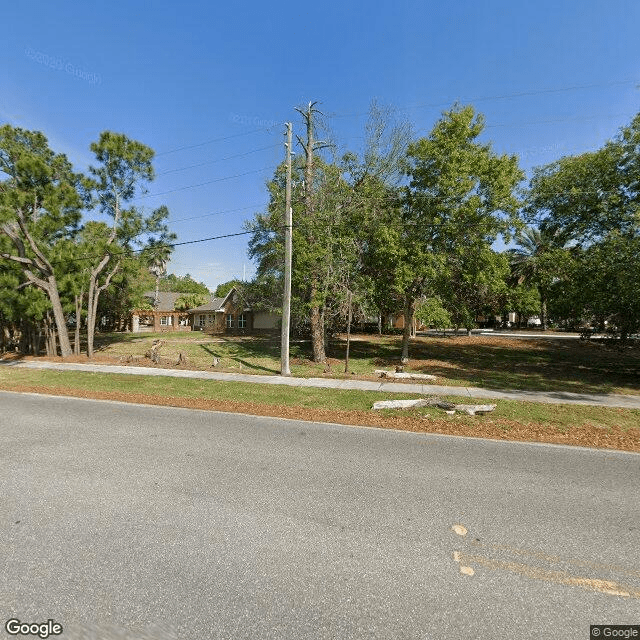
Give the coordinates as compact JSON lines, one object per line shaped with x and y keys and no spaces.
{"x":209,"y":85}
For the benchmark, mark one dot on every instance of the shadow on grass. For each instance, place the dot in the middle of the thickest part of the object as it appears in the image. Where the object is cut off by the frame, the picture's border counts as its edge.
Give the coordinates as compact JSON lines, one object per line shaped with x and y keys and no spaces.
{"x":537,"y":365}
{"x":494,"y":363}
{"x":12,"y":357}
{"x":240,"y":353}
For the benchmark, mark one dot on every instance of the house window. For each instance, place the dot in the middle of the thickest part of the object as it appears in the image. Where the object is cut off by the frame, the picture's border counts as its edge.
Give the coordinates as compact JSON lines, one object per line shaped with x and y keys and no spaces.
{"x":229,"y":321}
{"x":242,"y":321}
{"x":202,"y":320}
{"x":165,"y":321}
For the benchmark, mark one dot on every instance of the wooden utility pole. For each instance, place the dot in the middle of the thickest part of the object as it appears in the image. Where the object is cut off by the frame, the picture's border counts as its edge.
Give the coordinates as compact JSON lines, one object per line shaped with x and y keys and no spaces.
{"x":286,"y":297}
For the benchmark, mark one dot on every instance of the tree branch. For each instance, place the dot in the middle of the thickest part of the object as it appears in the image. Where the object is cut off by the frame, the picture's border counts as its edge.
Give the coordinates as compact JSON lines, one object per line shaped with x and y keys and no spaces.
{"x":41,"y":261}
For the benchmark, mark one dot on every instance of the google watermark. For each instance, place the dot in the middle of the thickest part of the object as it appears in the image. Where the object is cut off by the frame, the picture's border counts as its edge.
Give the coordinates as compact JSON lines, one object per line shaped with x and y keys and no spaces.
{"x":60,"y":64}
{"x":253,"y":121}
{"x":15,"y":627}
{"x":597,"y":631}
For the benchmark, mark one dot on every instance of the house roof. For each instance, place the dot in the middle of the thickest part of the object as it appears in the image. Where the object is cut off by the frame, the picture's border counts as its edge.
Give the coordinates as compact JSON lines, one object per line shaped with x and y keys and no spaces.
{"x":166,"y":299}
{"x":214,"y":304}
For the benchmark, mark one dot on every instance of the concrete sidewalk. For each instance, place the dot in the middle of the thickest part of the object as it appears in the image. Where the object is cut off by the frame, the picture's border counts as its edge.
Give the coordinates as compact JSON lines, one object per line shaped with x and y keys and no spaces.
{"x":546,"y":397}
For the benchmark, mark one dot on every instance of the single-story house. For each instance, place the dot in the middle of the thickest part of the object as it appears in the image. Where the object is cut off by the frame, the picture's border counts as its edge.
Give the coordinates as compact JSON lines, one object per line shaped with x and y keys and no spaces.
{"x":231,"y":315}
{"x":162,"y":316}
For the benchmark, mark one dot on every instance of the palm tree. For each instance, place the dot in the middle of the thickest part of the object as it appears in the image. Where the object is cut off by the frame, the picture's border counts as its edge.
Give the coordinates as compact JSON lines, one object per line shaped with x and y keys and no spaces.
{"x":530,"y":261}
{"x":158,"y":253}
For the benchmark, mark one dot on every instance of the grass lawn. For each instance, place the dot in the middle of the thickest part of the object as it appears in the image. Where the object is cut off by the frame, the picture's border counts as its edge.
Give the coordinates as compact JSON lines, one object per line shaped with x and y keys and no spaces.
{"x":480,"y":361}
{"x":512,"y":420}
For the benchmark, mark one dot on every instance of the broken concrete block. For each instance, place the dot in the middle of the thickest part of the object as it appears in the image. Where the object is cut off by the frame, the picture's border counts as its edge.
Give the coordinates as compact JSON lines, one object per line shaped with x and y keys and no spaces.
{"x":398,"y":404}
{"x":404,"y":375}
{"x":472,"y":409}
{"x":448,"y":407}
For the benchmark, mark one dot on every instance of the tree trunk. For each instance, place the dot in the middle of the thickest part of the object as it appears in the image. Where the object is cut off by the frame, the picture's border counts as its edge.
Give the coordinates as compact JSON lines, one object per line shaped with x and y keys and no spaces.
{"x":316,"y":320}
{"x":380,"y":323}
{"x":409,"y":309}
{"x":76,"y":345}
{"x":91,"y":317}
{"x":543,"y":312}
{"x":94,"y":295}
{"x":47,"y":335}
{"x":34,"y":341}
{"x":346,"y":359}
{"x":317,"y":334}
{"x":60,"y":320}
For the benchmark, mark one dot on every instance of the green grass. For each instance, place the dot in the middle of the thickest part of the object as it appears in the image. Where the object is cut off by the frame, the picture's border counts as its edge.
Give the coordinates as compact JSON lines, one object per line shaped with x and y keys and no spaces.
{"x":495,"y":363}
{"x":560,"y":417}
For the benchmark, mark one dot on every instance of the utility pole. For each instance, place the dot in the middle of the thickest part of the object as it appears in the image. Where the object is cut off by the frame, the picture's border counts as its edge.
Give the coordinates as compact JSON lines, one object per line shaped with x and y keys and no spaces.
{"x":286,"y":298}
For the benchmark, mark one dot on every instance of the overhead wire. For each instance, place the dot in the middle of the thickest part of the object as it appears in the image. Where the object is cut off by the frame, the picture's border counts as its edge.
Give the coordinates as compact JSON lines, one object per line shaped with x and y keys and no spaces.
{"x":202,"y":184}
{"x":173,"y":245}
{"x":202,"y":164}
{"x":505,"y":96}
{"x":206,"y":142}
{"x":269,"y":129}
{"x":218,"y":213}
{"x":124,"y":252}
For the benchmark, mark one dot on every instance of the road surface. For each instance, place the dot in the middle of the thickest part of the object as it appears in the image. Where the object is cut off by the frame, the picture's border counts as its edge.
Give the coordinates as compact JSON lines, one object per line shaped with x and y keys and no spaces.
{"x":126,"y":521}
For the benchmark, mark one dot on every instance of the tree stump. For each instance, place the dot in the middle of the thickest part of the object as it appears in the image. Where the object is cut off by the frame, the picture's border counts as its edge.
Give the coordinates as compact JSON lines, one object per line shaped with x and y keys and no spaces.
{"x":152,"y":354}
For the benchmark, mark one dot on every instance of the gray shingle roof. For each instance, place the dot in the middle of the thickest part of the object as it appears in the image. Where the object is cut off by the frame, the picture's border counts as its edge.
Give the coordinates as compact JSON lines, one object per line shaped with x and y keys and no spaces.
{"x":214,"y":304}
{"x":166,"y":299}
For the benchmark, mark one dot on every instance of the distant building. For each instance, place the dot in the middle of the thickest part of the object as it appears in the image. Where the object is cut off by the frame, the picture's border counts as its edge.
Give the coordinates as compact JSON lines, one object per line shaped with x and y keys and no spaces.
{"x":220,"y":315}
{"x":231,"y":315}
{"x":161,"y":317}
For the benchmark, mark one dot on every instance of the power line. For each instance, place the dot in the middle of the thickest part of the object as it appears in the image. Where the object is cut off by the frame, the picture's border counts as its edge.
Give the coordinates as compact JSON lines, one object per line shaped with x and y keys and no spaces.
{"x":173,"y":245}
{"x":202,"y":184}
{"x":556,"y":120}
{"x":505,"y":96}
{"x":219,"y":213}
{"x":206,"y":142}
{"x":125,"y":252}
{"x":202,"y":164}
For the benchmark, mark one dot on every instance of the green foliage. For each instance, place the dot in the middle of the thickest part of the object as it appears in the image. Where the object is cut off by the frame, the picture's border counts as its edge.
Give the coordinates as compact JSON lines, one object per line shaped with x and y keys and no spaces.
{"x":460,"y":199}
{"x":223,"y":289}
{"x":431,"y":313}
{"x":183,"y":284}
{"x":604,"y":285}
{"x":473,"y":283}
{"x":190,"y":301}
{"x":540,"y":259}
{"x":41,"y":189}
{"x":583,"y":198}
{"x":123,"y":171}
{"x":593,"y":201}
{"x":39,"y":215}
{"x":522,"y":299}
{"x":460,"y":184}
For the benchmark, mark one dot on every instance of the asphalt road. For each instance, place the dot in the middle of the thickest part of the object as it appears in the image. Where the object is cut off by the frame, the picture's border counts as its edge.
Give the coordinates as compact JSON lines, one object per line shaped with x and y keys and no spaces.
{"x":125,"y":521}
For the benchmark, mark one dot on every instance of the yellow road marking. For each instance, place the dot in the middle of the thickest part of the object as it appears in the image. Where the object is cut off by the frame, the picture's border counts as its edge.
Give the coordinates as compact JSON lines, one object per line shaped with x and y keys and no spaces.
{"x":558,"y":577}
{"x":608,"y":587}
